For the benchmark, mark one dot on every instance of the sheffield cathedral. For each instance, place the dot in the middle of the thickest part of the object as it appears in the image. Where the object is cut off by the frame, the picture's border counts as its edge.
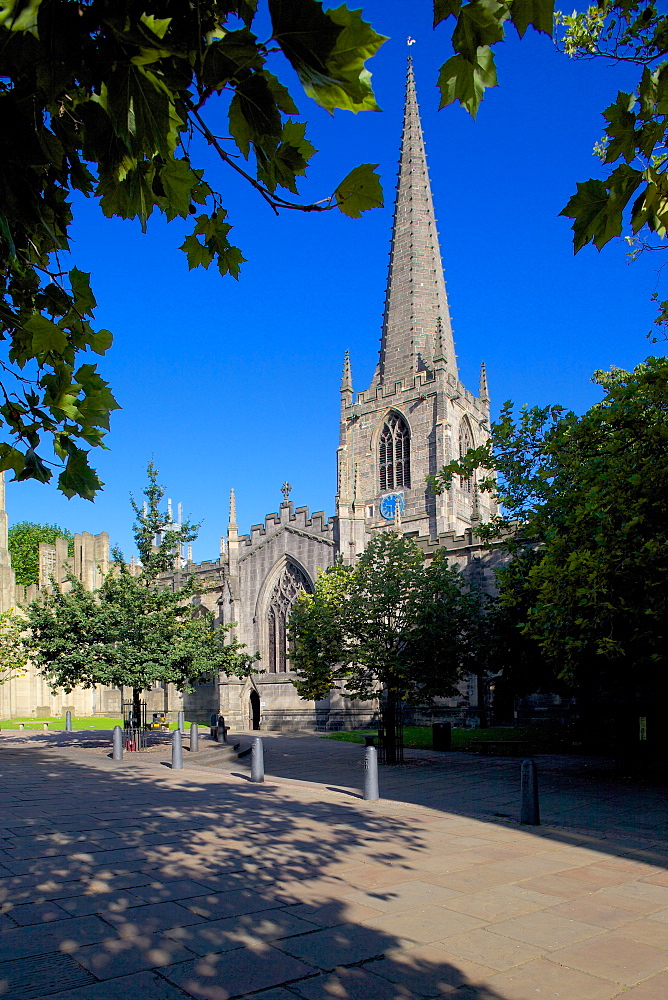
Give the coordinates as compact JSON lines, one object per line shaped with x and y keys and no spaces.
{"x":414,"y":417}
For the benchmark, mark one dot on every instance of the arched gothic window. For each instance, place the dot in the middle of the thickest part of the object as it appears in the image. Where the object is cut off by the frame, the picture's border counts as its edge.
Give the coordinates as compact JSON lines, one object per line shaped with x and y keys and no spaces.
{"x":465,"y":442}
{"x":395,"y":455}
{"x":289,"y":585}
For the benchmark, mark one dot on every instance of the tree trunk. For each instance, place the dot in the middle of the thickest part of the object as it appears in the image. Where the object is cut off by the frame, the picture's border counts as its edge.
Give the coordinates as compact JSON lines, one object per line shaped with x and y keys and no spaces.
{"x":482,"y":699}
{"x":390,"y":728}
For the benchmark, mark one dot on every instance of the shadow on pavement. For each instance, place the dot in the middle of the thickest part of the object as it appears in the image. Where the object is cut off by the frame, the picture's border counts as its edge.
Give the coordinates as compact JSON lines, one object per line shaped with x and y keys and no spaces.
{"x":116,"y":882}
{"x":580,"y":797}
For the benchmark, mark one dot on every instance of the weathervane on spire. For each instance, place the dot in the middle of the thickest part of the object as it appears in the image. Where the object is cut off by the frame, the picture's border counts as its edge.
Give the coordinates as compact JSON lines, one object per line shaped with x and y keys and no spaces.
{"x":410,"y":41}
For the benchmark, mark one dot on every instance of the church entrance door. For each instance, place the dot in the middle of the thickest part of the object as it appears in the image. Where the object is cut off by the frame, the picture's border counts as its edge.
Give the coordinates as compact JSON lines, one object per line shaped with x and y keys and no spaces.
{"x":254,"y":711}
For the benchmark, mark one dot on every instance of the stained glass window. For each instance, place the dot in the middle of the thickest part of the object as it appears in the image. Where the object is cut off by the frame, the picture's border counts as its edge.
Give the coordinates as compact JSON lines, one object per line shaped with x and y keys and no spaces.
{"x":395,"y":455}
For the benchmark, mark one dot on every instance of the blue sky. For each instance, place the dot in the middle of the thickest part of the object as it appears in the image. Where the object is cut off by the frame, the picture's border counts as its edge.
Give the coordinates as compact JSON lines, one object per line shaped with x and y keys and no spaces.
{"x":236,"y":384}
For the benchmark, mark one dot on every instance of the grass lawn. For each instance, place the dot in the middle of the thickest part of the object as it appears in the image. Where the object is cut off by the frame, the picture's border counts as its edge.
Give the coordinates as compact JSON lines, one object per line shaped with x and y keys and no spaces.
{"x":541,"y":740}
{"x":78,"y":722}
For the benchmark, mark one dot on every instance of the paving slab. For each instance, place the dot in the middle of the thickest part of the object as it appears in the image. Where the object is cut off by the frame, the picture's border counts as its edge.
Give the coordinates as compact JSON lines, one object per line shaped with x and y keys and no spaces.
{"x":345,"y":944}
{"x":353,"y":984}
{"x":614,"y":956}
{"x":121,"y":956}
{"x":245,"y":930}
{"x":547,"y":981}
{"x":149,"y":985}
{"x":31,"y":979}
{"x":219,"y":977}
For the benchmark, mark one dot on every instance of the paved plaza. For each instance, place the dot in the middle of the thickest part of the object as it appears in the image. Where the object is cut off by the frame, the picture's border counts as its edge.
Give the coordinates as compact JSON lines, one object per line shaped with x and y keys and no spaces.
{"x":127,"y":879}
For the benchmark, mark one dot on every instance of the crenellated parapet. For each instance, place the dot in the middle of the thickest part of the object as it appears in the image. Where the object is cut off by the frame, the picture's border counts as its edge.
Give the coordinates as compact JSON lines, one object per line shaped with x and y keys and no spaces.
{"x":290,"y":519}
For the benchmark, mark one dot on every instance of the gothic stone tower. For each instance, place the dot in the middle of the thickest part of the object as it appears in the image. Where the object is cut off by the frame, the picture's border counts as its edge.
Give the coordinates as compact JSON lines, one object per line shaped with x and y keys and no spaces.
{"x":416,"y":415}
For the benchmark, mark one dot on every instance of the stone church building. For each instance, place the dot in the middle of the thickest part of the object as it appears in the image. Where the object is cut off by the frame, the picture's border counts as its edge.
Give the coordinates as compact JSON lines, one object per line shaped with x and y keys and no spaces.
{"x":414,"y":417}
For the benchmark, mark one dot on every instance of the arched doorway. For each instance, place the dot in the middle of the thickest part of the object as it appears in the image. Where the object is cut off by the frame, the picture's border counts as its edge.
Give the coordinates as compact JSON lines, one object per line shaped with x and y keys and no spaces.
{"x":254,"y":711}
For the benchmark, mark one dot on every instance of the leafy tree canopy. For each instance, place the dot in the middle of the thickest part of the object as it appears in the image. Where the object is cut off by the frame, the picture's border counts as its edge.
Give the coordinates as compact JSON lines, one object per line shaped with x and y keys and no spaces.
{"x":633,"y":194}
{"x":588,"y":494}
{"x":389,"y":625}
{"x":134,"y":630}
{"x":13,"y":652}
{"x":105,"y":98}
{"x":24,"y":539}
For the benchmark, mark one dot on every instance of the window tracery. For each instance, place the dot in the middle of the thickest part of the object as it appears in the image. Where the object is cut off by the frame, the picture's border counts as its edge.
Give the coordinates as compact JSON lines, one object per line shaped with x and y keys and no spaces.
{"x":395,"y":455}
{"x":290,"y":584}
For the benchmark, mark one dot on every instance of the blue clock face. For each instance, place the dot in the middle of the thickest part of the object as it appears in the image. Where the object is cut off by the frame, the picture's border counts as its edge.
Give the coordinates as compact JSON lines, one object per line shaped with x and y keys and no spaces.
{"x":390,"y":504}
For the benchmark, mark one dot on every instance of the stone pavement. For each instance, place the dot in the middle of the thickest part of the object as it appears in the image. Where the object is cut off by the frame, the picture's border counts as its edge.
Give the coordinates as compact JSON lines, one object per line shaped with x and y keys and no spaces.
{"x":123,"y":880}
{"x":575,"y":792}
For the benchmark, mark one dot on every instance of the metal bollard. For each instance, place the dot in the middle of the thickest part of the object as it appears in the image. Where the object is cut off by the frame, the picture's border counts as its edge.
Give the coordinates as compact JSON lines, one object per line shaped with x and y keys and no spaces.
{"x":181,"y":725}
{"x":194,"y":737}
{"x":222,"y":738}
{"x":117,"y":743}
{"x":529,"y":811}
{"x":177,"y":751}
{"x":371,"y":775}
{"x":257,"y":761}
{"x":68,"y":721}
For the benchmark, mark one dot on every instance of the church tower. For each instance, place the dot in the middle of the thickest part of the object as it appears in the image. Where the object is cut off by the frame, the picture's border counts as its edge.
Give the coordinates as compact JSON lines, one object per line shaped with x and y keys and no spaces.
{"x":416,"y":415}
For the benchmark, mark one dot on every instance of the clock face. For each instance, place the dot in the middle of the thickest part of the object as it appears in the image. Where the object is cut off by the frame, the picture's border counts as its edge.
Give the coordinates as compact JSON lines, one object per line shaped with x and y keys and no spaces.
{"x":390,"y":504}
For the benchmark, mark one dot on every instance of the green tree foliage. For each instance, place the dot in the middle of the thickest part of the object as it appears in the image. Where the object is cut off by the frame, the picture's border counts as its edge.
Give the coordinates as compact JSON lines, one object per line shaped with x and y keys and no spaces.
{"x":480,"y":25}
{"x":106,"y":99}
{"x":13,"y":652}
{"x":135,"y":630}
{"x":632,"y":196}
{"x":389,"y":626}
{"x":24,"y":539}
{"x":588,"y":496}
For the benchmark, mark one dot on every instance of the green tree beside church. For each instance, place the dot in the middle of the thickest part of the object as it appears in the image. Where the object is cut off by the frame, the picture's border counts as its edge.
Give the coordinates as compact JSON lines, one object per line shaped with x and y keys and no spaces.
{"x":134,"y":631}
{"x":13,"y":649}
{"x":23,"y":544}
{"x":584,"y":510}
{"x":389,"y":627}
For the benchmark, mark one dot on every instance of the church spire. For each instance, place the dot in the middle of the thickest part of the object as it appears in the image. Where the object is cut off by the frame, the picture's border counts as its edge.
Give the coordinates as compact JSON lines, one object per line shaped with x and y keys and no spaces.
{"x":416,"y":301}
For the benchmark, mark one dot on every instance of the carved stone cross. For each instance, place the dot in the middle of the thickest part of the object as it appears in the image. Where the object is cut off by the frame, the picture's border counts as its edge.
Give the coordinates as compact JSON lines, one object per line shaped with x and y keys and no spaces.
{"x":285,"y":490}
